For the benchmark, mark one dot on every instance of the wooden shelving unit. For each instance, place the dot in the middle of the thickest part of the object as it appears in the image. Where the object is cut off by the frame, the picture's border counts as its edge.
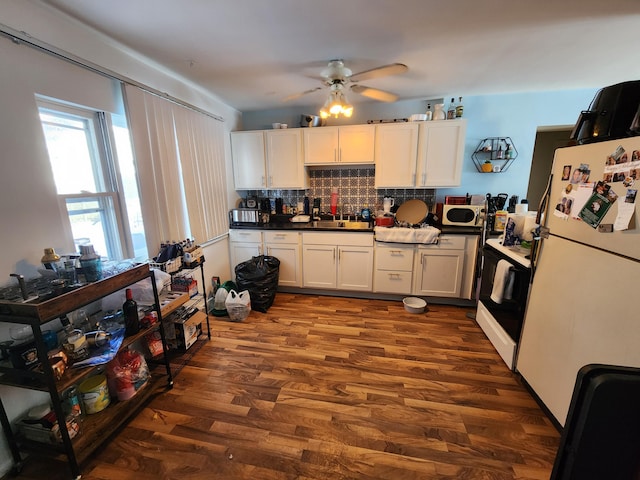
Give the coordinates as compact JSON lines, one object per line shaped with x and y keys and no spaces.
{"x":97,"y":427}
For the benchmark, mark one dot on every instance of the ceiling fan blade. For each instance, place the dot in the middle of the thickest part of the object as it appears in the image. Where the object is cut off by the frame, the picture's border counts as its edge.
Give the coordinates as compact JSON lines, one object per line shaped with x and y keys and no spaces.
{"x":391,"y":69}
{"x":298,"y":95}
{"x":374,"y":93}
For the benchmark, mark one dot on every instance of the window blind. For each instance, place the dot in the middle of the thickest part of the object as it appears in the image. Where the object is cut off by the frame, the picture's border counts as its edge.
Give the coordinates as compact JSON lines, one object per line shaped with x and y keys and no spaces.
{"x":181,"y":171}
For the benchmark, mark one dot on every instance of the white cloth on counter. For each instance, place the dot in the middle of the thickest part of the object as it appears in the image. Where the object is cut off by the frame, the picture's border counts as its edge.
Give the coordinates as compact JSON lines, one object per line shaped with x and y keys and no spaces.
{"x":502,"y":282}
{"x":425,"y":235}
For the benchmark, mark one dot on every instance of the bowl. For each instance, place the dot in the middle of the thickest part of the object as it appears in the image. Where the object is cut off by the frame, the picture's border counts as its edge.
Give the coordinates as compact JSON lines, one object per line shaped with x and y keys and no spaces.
{"x":414,"y":304}
{"x":418,"y":117}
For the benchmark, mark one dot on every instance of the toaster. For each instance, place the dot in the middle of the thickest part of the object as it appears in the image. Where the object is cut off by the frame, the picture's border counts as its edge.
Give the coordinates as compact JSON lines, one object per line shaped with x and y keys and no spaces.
{"x":244,"y":215}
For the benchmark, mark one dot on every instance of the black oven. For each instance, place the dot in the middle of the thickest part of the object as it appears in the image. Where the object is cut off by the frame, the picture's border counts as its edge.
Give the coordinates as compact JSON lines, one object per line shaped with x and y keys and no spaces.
{"x":502,"y":320}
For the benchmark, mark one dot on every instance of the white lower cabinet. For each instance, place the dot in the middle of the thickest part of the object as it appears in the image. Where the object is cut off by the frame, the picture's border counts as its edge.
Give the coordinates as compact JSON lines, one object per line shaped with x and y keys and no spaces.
{"x":393,"y":268}
{"x":338,"y":260}
{"x":243,"y":244}
{"x":439,"y":268}
{"x":285,"y":246}
{"x":346,"y":261}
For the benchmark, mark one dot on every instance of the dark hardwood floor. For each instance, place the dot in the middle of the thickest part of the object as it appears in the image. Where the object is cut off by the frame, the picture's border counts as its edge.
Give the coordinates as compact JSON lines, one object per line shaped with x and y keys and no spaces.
{"x":335,"y":388}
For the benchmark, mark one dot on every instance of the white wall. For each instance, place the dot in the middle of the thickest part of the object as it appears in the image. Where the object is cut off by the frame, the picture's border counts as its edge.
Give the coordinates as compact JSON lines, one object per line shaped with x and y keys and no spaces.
{"x":515,"y":115}
{"x":28,"y":208}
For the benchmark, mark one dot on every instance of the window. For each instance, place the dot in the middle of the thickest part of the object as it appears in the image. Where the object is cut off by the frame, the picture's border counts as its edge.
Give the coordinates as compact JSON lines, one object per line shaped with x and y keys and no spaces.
{"x":94,"y":174}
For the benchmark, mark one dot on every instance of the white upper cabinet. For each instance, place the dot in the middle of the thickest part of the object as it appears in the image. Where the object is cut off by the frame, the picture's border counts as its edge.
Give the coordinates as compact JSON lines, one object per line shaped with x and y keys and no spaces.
{"x":285,"y":167}
{"x":249,"y":160}
{"x":396,"y":154}
{"x":419,"y":154}
{"x":269,"y":159}
{"x":440,"y":153}
{"x":351,"y":144}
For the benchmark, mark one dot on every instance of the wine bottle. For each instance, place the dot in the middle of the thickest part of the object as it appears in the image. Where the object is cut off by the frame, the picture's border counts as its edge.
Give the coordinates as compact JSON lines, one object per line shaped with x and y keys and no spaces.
{"x":459,"y":108}
{"x":451,"y":111}
{"x":130,"y":311}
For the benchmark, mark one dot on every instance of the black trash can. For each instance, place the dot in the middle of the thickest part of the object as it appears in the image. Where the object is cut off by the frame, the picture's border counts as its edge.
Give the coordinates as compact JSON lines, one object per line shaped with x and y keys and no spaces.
{"x":260,"y":277}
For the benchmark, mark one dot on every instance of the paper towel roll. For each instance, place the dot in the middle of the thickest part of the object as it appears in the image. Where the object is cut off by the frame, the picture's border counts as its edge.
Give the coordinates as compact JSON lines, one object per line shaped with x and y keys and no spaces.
{"x":522,"y":208}
{"x":529,"y":225}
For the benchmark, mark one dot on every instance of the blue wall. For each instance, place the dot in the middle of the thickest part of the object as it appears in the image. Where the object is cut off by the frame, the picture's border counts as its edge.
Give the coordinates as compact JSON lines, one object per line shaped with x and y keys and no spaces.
{"x":517,"y":115}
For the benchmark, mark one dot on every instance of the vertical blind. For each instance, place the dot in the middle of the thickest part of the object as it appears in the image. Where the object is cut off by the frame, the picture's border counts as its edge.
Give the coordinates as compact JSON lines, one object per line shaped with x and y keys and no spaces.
{"x":181,"y":170}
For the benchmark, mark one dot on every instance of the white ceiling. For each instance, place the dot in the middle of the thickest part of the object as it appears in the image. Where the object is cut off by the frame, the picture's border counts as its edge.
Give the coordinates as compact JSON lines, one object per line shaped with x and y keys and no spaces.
{"x":254,"y":53}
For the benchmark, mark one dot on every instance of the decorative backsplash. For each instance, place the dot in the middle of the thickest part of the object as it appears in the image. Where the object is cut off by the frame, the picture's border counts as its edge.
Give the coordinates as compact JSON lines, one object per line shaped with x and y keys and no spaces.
{"x":355,"y":190}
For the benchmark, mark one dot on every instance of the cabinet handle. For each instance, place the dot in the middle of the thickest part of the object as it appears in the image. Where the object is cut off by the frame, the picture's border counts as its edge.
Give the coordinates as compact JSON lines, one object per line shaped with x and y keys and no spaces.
{"x":413,"y":178}
{"x":268,"y":250}
{"x":263,"y":181}
{"x":340,"y":156}
{"x":424,"y":178}
{"x":396,"y":252}
{"x":335,"y":154}
{"x":270,"y":179}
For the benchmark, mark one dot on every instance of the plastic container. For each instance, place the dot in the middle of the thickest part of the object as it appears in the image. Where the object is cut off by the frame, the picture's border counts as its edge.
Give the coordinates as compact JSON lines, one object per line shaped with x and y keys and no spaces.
{"x":414,"y":304}
{"x":334,"y":201}
{"x":501,"y":220}
{"x":95,"y":394}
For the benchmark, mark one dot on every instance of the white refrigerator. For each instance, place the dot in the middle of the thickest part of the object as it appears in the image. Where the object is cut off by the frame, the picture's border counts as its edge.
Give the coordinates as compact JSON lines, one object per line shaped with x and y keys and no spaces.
{"x":585,"y":291}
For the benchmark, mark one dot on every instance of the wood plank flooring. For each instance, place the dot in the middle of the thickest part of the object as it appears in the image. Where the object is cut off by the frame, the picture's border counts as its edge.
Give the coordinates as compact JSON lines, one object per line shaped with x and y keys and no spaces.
{"x":335,"y":388}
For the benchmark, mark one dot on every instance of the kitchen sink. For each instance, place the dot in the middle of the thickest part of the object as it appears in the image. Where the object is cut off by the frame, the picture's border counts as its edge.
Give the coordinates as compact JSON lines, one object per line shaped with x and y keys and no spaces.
{"x":346,"y":224}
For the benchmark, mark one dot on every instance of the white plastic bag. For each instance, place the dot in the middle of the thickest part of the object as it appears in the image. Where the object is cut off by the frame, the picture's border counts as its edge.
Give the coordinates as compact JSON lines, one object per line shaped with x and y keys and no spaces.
{"x":238,"y":305}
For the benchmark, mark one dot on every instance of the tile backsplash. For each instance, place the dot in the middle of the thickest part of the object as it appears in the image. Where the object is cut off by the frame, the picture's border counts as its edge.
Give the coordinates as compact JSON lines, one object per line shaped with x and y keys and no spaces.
{"x":355,"y":190}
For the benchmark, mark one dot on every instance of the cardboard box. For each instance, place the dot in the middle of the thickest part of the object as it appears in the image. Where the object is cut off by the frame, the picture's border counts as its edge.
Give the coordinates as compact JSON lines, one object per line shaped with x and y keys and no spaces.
{"x":182,"y":333}
{"x":181,"y":286}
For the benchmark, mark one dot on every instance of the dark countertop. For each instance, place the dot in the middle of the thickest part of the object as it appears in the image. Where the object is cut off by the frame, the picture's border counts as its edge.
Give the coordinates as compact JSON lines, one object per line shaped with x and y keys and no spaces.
{"x":308,"y":227}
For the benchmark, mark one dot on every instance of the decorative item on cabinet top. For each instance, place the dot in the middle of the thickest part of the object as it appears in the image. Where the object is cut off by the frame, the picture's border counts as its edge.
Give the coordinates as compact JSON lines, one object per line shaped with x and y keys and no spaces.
{"x":494,"y":154}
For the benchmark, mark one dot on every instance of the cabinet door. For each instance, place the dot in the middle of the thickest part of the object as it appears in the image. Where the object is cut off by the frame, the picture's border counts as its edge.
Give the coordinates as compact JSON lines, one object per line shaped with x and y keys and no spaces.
{"x":290,"y":273}
{"x":284,"y":159}
{"x":438,"y":272}
{"x":320,"y":145}
{"x":395,"y":153}
{"x":355,"y":268}
{"x":440,"y":153}
{"x":249,"y":160}
{"x":319,"y":268}
{"x":241,"y":252}
{"x":356,"y":144}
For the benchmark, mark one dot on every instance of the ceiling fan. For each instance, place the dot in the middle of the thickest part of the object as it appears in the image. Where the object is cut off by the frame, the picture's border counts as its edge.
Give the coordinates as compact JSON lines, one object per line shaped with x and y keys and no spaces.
{"x":338,"y":78}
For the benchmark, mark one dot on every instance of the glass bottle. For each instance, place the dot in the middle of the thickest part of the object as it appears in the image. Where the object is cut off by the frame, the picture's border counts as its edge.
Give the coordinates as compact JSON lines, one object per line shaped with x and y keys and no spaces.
{"x":51,"y":260}
{"x":91,"y":263}
{"x":130,"y":311}
{"x":429,"y":112}
{"x":459,"y":108}
{"x":451,"y":111}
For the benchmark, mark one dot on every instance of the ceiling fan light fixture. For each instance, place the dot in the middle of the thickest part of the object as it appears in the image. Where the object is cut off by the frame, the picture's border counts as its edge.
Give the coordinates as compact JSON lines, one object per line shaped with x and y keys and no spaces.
{"x":336,"y":105}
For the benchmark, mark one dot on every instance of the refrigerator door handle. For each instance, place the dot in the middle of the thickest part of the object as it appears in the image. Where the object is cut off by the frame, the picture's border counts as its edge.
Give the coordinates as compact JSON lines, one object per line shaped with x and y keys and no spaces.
{"x":543,"y":231}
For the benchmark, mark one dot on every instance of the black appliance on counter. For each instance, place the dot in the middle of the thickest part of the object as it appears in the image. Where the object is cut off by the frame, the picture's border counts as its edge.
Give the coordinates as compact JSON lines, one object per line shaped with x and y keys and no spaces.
{"x":614,"y":113}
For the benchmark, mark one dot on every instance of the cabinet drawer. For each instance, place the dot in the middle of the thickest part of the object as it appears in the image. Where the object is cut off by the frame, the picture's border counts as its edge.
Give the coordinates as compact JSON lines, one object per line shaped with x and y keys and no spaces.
{"x":394,"y":258}
{"x":281,"y":237}
{"x":245,"y":236}
{"x":450,"y":242}
{"x":363,"y":239}
{"x":392,"y":281}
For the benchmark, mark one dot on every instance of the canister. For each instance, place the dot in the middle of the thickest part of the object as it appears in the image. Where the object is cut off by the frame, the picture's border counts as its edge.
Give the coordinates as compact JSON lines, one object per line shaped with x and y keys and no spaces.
{"x":95,"y":394}
{"x":501,"y":220}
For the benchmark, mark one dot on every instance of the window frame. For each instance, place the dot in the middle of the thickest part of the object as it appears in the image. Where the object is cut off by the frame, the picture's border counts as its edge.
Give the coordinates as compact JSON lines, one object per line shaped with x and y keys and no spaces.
{"x":104,"y":162}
